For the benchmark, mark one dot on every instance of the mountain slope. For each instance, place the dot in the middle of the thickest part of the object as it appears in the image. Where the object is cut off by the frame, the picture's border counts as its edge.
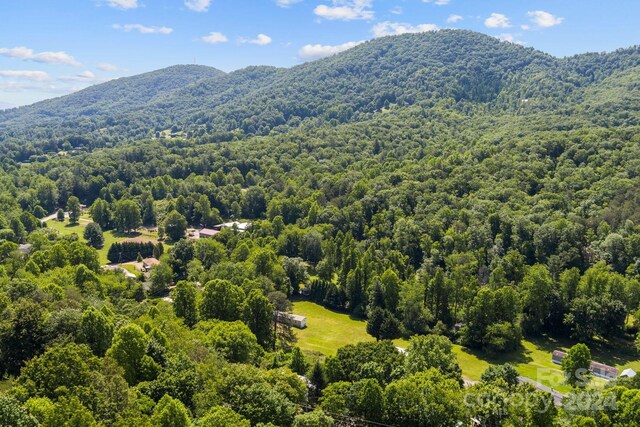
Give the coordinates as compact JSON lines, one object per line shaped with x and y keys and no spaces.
{"x":451,"y":68}
{"x":114,"y":95}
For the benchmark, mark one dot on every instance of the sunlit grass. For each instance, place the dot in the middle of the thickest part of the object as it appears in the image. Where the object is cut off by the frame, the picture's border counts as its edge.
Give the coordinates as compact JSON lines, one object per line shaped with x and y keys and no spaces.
{"x":329,"y":330}
{"x":110,"y":236}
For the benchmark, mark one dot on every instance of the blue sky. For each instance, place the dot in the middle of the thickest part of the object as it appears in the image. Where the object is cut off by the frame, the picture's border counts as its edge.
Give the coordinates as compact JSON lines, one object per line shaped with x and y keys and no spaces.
{"x":51,"y":48}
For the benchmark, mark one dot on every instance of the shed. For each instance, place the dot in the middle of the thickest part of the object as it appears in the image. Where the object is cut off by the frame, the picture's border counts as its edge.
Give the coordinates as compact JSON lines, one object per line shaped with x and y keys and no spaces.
{"x":290,"y":319}
{"x":628,"y":373}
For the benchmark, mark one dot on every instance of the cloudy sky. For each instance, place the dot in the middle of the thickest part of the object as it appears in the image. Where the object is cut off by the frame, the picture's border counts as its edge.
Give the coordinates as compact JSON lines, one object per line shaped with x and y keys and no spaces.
{"x":51,"y":48}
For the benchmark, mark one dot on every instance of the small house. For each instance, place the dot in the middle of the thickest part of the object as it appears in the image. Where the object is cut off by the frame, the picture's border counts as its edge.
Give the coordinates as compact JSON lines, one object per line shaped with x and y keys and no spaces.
{"x":596,"y":368}
{"x":603,"y":371}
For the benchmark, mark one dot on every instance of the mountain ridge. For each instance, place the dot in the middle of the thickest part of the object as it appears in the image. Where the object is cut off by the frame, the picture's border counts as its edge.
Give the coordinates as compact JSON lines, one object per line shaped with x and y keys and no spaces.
{"x":464,"y":69}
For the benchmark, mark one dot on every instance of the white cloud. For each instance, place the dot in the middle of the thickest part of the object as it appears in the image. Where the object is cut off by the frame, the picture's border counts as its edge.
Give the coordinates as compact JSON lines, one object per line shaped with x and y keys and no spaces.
{"x":142,"y":29}
{"x":85,"y":76}
{"x":260,"y":40}
{"x":111,"y":68}
{"x":394,"y":28}
{"x":525,"y":27}
{"x":346,"y":10}
{"x":214,"y":38}
{"x":123,"y":4}
{"x":38,"y":76}
{"x":397,"y":10}
{"x":454,"y":18}
{"x":544,"y":19}
{"x":497,"y":20}
{"x":437,"y":2}
{"x":312,"y":52}
{"x":287,"y":3}
{"x":198,"y":5}
{"x":26,"y":54}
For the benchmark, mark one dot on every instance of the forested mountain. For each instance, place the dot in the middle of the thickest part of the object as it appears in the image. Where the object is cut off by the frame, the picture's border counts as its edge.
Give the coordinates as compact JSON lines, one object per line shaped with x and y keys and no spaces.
{"x":95,"y":104}
{"x":464,"y":70}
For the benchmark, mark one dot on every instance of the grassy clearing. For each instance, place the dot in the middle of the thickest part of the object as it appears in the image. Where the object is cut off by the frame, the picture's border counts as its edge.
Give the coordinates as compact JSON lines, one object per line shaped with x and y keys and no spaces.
{"x":329,"y":330}
{"x":110,"y":237}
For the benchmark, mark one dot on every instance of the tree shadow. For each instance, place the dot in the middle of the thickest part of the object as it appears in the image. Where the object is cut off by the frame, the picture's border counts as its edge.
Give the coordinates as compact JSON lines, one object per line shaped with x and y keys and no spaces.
{"x":519,"y":356}
{"x":120,"y":234}
{"x":300,"y":298}
{"x":617,"y":351}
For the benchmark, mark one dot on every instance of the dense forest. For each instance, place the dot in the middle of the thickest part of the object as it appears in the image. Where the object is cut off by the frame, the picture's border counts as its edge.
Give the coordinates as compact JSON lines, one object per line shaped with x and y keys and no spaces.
{"x":445,"y":187}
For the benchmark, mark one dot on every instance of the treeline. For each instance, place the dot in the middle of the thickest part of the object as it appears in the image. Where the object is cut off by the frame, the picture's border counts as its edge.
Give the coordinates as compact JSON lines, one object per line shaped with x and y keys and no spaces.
{"x":464,"y":71}
{"x":130,"y":251}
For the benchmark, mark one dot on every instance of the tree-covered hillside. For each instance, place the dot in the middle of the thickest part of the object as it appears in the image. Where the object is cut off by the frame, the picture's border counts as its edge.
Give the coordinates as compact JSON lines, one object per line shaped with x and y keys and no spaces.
{"x":84,"y":111}
{"x":467,"y":71}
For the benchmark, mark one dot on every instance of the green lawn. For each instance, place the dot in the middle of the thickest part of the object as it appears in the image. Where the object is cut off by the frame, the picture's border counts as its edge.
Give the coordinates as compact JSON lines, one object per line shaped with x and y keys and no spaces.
{"x":110,"y":236}
{"x":328,"y":330}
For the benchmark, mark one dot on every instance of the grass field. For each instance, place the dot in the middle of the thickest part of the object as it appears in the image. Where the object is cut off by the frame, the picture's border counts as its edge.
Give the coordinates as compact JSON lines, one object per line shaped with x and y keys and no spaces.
{"x":110,"y":236}
{"x":328,"y":330}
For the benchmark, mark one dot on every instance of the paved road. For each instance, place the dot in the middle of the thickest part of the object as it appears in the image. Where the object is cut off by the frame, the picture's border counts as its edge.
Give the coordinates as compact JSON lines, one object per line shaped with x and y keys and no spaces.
{"x":54,"y":216}
{"x":557,"y":396}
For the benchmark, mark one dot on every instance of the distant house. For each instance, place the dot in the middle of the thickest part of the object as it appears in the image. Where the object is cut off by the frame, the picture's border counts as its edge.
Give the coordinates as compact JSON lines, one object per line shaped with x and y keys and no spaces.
{"x":240,"y":226}
{"x":207,"y":232}
{"x":596,"y":368}
{"x":147,"y":263}
{"x":294,"y":320}
{"x":603,"y":371}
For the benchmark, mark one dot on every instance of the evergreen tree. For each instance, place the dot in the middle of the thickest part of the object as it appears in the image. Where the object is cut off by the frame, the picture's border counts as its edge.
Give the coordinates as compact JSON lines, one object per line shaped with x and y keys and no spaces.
{"x":298,"y":363}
